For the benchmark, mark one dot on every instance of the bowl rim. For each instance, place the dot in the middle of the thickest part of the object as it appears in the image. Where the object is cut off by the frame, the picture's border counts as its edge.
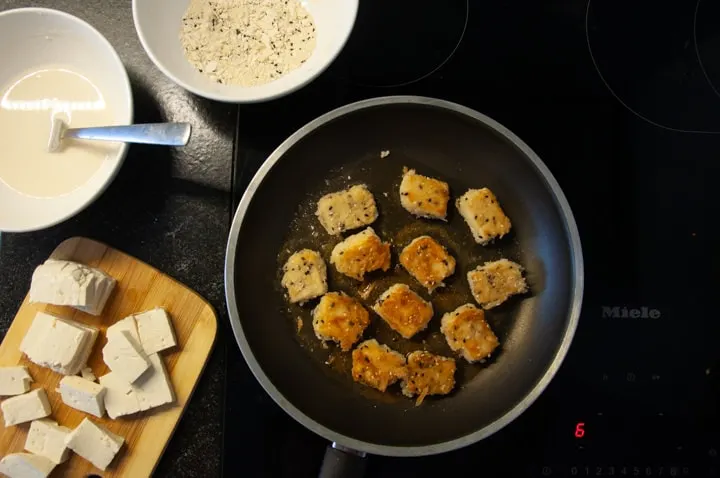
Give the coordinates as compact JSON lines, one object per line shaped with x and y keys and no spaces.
{"x":122,"y":150}
{"x":354,"y":4}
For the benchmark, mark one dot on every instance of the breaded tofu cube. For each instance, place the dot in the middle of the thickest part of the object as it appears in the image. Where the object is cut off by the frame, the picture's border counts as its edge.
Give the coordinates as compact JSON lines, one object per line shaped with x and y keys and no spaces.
{"x":377,"y":366}
{"x":347,"y":209}
{"x":483,"y":214}
{"x":403,"y":310}
{"x":428,"y":262}
{"x":428,"y":374}
{"x":492,"y":283}
{"x":468,"y":333}
{"x":361,"y":253}
{"x":304,"y":276}
{"x":424,"y":196}
{"x":340,"y":318}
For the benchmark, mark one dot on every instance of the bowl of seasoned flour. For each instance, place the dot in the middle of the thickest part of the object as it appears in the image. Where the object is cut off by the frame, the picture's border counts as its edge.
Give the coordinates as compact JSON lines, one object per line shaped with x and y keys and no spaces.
{"x":243,"y":51}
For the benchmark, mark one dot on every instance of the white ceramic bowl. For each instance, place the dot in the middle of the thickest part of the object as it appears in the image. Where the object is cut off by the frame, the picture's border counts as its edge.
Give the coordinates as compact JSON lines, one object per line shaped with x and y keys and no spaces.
{"x":158,"y":25}
{"x":37,"y":38}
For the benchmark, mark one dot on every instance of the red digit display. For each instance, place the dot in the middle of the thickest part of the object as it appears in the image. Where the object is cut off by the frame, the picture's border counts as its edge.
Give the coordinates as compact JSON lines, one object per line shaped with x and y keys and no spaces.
{"x":580,"y":430}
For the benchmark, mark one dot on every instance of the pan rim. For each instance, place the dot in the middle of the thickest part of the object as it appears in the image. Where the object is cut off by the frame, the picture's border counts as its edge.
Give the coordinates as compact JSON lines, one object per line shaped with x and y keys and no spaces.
{"x":389,"y":450}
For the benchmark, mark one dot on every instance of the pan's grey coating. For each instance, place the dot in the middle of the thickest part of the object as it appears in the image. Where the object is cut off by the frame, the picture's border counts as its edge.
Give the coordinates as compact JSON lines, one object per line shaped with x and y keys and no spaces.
{"x":438,"y":139}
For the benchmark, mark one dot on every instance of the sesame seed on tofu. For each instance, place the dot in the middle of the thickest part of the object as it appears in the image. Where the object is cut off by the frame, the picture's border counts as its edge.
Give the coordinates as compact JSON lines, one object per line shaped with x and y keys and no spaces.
{"x":494,"y":282}
{"x":340,"y":318}
{"x":428,"y":374}
{"x":468,"y":333}
{"x":304,"y":276}
{"x":483,"y":214}
{"x":428,"y":262}
{"x":347,"y":209}
{"x":361,"y":253}
{"x":377,"y":366}
{"x":424,"y":196}
{"x":403,"y":310}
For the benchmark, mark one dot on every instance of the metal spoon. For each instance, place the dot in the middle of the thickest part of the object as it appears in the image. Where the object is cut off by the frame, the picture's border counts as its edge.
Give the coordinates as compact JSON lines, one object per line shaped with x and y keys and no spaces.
{"x":168,"y":134}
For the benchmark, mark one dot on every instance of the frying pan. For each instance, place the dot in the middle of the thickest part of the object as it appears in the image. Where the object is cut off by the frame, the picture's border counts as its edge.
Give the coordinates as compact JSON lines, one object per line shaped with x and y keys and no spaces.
{"x":276,"y":217}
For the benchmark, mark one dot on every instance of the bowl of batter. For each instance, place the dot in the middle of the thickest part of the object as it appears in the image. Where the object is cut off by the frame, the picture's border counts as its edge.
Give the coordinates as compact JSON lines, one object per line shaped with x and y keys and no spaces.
{"x":58,"y":67}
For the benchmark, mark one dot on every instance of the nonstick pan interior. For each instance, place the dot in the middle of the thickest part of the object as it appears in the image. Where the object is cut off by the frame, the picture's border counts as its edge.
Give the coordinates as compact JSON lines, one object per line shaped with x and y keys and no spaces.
{"x":438,"y":139}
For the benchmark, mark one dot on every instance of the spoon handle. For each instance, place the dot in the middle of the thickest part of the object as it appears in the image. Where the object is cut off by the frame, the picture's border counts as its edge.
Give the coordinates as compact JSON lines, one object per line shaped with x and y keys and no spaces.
{"x":169,"y":134}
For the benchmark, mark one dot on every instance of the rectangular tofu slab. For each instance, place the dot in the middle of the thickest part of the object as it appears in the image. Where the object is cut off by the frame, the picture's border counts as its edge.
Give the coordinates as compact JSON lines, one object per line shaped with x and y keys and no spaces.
{"x":423,"y":196}
{"x":346,"y":210}
{"x":361,"y":253}
{"x":403,"y":310}
{"x":304,"y":276}
{"x":494,"y":282}
{"x":483,"y":215}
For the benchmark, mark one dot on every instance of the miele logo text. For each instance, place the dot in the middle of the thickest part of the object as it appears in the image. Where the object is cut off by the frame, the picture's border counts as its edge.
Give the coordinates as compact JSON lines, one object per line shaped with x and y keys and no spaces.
{"x":629,"y":313}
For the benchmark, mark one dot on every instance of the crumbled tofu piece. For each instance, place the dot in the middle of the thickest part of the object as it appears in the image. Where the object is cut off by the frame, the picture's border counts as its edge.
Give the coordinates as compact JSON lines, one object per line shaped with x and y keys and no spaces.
{"x":305,"y":276}
{"x":73,"y":284}
{"x":428,"y":262}
{"x":156,"y":330}
{"x":384,"y":154}
{"x":494,"y":282}
{"x":340,"y":318}
{"x":424,"y":196}
{"x":26,"y":465}
{"x":24,"y":408}
{"x":47,"y":438}
{"x":347,"y":209}
{"x":94,"y":443}
{"x":376,"y":365}
{"x":125,"y":357}
{"x":127,"y":324}
{"x":468,"y":333}
{"x":428,"y":374}
{"x":483,"y":214}
{"x":403,"y":310}
{"x":88,"y":374}
{"x":361,"y":253}
{"x":83,"y":395}
{"x":14,"y":380}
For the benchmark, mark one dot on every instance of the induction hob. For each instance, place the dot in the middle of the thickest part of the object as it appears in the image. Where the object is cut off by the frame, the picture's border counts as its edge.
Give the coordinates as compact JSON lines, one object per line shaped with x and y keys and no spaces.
{"x":622,"y":101}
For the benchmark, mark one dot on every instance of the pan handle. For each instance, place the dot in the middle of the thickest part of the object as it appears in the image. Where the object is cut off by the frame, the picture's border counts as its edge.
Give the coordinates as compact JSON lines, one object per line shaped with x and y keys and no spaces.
{"x":342,"y":462}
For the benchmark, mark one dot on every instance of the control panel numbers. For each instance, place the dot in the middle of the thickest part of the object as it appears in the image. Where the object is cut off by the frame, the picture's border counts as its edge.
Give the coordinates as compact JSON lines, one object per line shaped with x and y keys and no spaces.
{"x":629,"y":471}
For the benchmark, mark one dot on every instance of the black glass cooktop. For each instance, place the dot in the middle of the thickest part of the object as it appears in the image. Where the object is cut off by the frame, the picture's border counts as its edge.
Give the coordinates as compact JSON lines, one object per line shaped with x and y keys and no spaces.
{"x":622,"y":102}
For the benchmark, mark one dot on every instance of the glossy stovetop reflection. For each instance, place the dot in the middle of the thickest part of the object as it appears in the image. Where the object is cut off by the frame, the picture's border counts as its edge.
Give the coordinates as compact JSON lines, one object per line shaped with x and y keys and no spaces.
{"x":620,"y":99}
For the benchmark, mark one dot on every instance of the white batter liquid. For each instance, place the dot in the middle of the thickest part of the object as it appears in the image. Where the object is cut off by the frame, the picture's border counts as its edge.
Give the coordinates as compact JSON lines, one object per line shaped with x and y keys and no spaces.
{"x":27,"y":109}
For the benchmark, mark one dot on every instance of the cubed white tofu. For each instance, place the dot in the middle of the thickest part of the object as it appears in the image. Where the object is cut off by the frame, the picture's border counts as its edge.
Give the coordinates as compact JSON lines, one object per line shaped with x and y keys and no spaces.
{"x":155,"y":330}
{"x":376,"y":365}
{"x":483,"y":215}
{"x":495,"y":282}
{"x":428,"y":262}
{"x":424,"y":196}
{"x":14,"y":380}
{"x":304,"y":276}
{"x":26,"y":465}
{"x":347,"y":209}
{"x":127,"y":324}
{"x":361,"y":253}
{"x":47,"y":438}
{"x":24,"y":408}
{"x":120,"y":396}
{"x":428,"y":374}
{"x":341,"y":319}
{"x":403,"y":310}
{"x":468,"y":333}
{"x":83,"y":395}
{"x":95,"y":443}
{"x":125,"y":357}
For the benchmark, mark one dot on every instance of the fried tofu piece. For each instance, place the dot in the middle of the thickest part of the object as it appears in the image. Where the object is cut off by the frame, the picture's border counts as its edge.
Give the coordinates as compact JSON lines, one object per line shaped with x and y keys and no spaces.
{"x":304,"y":276}
{"x":428,"y":374}
{"x":468,"y":333}
{"x":428,"y":262}
{"x":340,"y":318}
{"x":483,"y":214}
{"x":377,"y":366}
{"x":494,"y":282}
{"x":403,"y":310}
{"x":347,"y":209}
{"x":424,"y":196}
{"x":361,"y":253}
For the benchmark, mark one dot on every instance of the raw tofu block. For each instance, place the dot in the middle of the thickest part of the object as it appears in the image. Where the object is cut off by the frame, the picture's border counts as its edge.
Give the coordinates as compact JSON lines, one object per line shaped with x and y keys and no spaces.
{"x":120,"y":397}
{"x":83,"y":395}
{"x":24,"y":408}
{"x":47,"y":438}
{"x":127,"y":324}
{"x":403,"y":310}
{"x":88,"y":374}
{"x":94,"y":443}
{"x":69,"y":283}
{"x":125,"y":357}
{"x":424,"y":196}
{"x":156,"y":330}
{"x":483,"y":214}
{"x":14,"y":380}
{"x":304,"y":276}
{"x":428,"y":262}
{"x":347,"y":209}
{"x":377,"y":366}
{"x":494,"y":282}
{"x":428,"y":374}
{"x":26,"y":465}
{"x":340,"y":318}
{"x":468,"y":333}
{"x":361,"y":253}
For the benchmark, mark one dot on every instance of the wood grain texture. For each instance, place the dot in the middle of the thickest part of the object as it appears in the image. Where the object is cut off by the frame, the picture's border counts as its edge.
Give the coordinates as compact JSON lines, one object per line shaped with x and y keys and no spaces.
{"x":140,"y":287}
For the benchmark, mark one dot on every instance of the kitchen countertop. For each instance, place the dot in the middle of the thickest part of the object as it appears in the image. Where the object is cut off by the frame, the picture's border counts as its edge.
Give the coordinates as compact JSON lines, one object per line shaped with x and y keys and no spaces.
{"x":169,"y":208}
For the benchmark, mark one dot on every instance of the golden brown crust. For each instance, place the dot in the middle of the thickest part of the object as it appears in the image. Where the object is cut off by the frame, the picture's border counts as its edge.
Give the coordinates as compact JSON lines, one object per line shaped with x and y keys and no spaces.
{"x":403,"y":310}
{"x":361,"y":253}
{"x":483,"y":214}
{"x":428,"y":262}
{"x":494,"y":282}
{"x":376,"y":365}
{"x":467,"y":332}
{"x":428,"y":374}
{"x":340,"y":318}
{"x":424,"y":196}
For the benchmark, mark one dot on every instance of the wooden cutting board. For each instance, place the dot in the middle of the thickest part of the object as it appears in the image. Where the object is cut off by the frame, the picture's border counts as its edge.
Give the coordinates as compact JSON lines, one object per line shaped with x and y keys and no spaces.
{"x":140,"y":287}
